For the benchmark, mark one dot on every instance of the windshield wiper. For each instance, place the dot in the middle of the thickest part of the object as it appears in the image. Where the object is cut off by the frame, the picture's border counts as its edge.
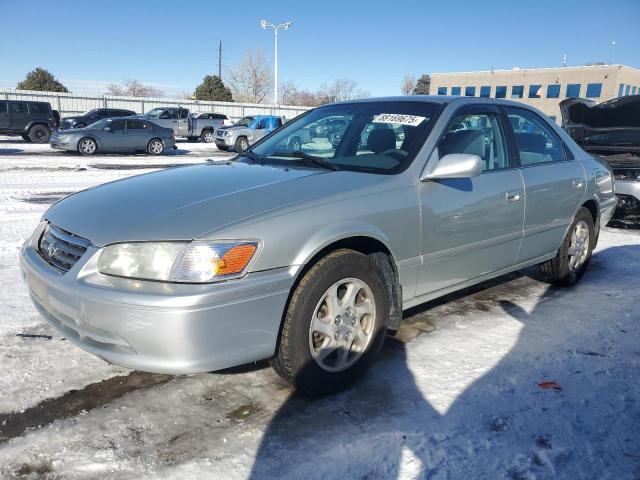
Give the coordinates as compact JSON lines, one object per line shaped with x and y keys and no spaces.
{"x":310,"y":159}
{"x":252,"y":156}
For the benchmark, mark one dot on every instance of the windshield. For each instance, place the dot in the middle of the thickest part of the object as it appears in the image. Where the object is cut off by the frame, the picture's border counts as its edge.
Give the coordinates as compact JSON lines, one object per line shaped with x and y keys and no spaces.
{"x":155,"y":113}
{"x":378,"y":137}
{"x":244,"y":122}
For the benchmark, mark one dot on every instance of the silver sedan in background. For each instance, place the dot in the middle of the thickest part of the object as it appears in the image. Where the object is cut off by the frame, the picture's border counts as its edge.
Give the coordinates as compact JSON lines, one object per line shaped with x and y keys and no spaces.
{"x":115,"y":135}
{"x":309,"y":255}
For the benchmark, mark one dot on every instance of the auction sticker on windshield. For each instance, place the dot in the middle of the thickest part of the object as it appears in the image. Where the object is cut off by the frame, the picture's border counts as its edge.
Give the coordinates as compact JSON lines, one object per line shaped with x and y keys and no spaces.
{"x":402,"y":119}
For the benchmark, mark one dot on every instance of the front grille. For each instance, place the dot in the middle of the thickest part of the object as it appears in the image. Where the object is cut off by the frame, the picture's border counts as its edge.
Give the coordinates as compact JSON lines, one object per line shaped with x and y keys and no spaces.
{"x":60,"y":248}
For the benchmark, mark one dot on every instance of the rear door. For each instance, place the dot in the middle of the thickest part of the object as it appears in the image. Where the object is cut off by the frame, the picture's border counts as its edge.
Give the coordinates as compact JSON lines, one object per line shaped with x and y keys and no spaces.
{"x":554,"y":182}
{"x":19,"y":115}
{"x":5,"y":117}
{"x":137,"y":134}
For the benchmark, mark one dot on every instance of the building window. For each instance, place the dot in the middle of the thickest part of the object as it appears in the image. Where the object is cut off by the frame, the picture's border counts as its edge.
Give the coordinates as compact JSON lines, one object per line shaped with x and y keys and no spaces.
{"x":455,"y":90}
{"x":485,"y":91}
{"x":553,"y":91}
{"x":517,"y":91}
{"x":633,"y":91}
{"x":442,"y":90}
{"x":535,"y":91}
{"x":470,"y":91}
{"x":626,"y":89}
{"x":573,"y":90}
{"x":594,"y":90}
{"x":620,"y":89}
{"x":501,"y":91}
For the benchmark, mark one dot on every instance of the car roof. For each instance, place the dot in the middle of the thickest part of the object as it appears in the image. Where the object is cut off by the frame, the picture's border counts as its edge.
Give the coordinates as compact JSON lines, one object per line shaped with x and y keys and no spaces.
{"x":441,"y":99}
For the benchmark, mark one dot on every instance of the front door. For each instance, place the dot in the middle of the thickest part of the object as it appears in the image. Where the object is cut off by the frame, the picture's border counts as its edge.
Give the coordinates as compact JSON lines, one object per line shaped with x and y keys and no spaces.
{"x":471,"y":226}
{"x":554,"y":183}
{"x":115,"y":137}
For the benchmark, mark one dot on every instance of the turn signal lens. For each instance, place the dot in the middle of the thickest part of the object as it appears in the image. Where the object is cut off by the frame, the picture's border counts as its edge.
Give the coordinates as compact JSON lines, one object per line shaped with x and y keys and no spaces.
{"x":235,"y":259}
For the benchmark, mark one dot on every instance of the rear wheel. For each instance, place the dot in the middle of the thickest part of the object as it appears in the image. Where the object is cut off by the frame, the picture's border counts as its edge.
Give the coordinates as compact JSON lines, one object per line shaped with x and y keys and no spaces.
{"x":295,"y":144}
{"x":242,"y":144}
{"x":39,"y":134}
{"x":207,"y":136}
{"x":87,"y":146}
{"x":335,"y":324}
{"x":574,"y":254}
{"x":155,"y":147}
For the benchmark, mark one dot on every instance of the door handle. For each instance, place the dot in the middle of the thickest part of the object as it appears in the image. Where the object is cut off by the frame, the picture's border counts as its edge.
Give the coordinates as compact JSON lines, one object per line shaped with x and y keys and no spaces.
{"x":578,"y":184}
{"x":512,"y":197}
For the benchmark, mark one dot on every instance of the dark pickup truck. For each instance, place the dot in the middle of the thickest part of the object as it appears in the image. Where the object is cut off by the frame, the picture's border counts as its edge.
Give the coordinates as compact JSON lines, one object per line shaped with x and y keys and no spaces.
{"x":34,"y":121}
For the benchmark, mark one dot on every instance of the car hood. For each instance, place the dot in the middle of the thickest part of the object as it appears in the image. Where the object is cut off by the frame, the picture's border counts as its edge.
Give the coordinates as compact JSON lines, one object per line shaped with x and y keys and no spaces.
{"x":233,"y":127}
{"x":181,"y":203}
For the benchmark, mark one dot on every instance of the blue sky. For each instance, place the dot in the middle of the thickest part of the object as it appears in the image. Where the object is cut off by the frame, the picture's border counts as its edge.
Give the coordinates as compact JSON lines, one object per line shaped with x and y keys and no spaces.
{"x":174,"y":44}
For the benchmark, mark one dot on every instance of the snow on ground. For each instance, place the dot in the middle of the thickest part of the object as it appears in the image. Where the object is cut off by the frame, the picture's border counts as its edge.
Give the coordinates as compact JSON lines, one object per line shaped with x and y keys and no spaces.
{"x":455,"y":395}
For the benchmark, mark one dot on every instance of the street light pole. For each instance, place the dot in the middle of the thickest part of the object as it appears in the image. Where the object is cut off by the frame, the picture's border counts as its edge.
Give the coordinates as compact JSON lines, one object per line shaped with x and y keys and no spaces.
{"x":285,"y":26}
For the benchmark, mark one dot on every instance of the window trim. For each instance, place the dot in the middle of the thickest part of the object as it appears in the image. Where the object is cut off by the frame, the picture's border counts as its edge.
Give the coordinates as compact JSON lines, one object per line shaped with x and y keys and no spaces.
{"x":566,"y":152}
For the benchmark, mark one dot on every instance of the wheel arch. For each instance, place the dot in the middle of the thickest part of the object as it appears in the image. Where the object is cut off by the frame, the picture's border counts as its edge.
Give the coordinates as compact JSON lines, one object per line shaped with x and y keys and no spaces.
{"x":376,"y":247}
{"x":592,"y":206}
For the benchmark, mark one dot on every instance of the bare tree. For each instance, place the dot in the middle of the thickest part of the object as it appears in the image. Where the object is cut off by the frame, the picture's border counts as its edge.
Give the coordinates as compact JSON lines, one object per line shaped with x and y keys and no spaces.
{"x":340,"y":90}
{"x":134,"y":88}
{"x":251,"y":81}
{"x":408,"y":84}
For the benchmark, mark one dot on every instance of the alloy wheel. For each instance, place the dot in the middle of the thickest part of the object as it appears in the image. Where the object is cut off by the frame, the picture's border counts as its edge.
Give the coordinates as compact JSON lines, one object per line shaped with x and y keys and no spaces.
{"x":87,"y":146}
{"x":579,"y":246}
{"x":342,"y":325}
{"x":156,"y":147}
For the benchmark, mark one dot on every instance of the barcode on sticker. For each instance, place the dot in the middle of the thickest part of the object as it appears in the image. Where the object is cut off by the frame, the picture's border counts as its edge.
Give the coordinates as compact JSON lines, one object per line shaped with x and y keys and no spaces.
{"x":402,"y":119}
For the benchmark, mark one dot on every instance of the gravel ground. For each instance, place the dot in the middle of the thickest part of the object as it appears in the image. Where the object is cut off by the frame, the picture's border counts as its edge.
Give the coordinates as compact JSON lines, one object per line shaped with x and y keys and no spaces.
{"x":510,"y":379}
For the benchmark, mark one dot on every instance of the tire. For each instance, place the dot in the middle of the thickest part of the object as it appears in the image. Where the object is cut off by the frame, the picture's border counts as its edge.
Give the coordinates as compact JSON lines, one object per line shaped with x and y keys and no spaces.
{"x":39,"y":134}
{"x":87,"y":146}
{"x":318,"y":363}
{"x":155,"y":147}
{"x":295,"y":144}
{"x":242,"y":144}
{"x":26,"y":138}
{"x":79,"y":125}
{"x":574,"y":254}
{"x":207,"y":136}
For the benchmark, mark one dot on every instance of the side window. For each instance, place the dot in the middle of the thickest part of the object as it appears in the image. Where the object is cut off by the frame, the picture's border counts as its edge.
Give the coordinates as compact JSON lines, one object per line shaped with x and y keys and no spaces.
{"x":183,"y":113}
{"x":278,"y":123}
{"x":38,"y":108}
{"x":478,"y":134}
{"x":117,"y":125}
{"x":18,"y":107}
{"x":262,"y":123}
{"x":3,"y":107}
{"x":136,"y":124}
{"x":536,"y":141}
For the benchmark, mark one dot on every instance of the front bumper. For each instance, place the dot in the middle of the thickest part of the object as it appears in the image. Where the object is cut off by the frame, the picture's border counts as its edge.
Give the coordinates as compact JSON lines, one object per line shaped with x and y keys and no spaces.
{"x":60,"y":144}
{"x":158,"y":327}
{"x":628,"y":209}
{"x":227,"y":142}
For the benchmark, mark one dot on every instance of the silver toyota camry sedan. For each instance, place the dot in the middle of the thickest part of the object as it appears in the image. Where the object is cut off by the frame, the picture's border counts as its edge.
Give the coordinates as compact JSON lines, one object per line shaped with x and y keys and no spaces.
{"x":309,"y":256}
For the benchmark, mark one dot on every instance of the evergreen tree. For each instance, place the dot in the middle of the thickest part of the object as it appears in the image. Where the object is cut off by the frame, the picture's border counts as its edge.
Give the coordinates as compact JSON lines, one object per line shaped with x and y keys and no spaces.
{"x":213,"y":88}
{"x":41,"y":80}
{"x":423,"y":85}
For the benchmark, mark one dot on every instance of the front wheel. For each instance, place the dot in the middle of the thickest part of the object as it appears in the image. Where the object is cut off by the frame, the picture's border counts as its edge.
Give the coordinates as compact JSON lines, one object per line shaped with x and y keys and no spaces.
{"x":242,"y":144}
{"x":155,"y":147}
{"x":574,"y":254}
{"x":335,"y":324}
{"x":87,"y":146}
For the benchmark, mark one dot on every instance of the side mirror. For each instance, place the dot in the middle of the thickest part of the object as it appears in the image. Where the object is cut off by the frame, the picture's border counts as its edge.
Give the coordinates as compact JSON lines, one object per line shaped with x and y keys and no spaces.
{"x":455,"y":165}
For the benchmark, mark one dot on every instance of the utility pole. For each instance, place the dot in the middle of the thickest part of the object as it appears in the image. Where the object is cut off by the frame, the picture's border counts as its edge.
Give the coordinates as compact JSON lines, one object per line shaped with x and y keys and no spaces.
{"x":220,"y":60}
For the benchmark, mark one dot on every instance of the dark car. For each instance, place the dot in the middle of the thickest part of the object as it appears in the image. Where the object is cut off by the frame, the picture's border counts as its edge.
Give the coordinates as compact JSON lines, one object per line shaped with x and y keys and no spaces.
{"x":115,"y":135}
{"x":93,"y":116}
{"x":34,"y":121}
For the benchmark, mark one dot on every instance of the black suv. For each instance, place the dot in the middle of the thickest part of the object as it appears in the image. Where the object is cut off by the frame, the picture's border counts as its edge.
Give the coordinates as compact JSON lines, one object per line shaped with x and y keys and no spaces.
{"x":93,"y":116}
{"x":34,"y":121}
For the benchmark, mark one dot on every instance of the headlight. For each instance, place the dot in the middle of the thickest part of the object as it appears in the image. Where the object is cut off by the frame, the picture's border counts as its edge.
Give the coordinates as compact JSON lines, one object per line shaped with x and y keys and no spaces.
{"x":180,"y":262}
